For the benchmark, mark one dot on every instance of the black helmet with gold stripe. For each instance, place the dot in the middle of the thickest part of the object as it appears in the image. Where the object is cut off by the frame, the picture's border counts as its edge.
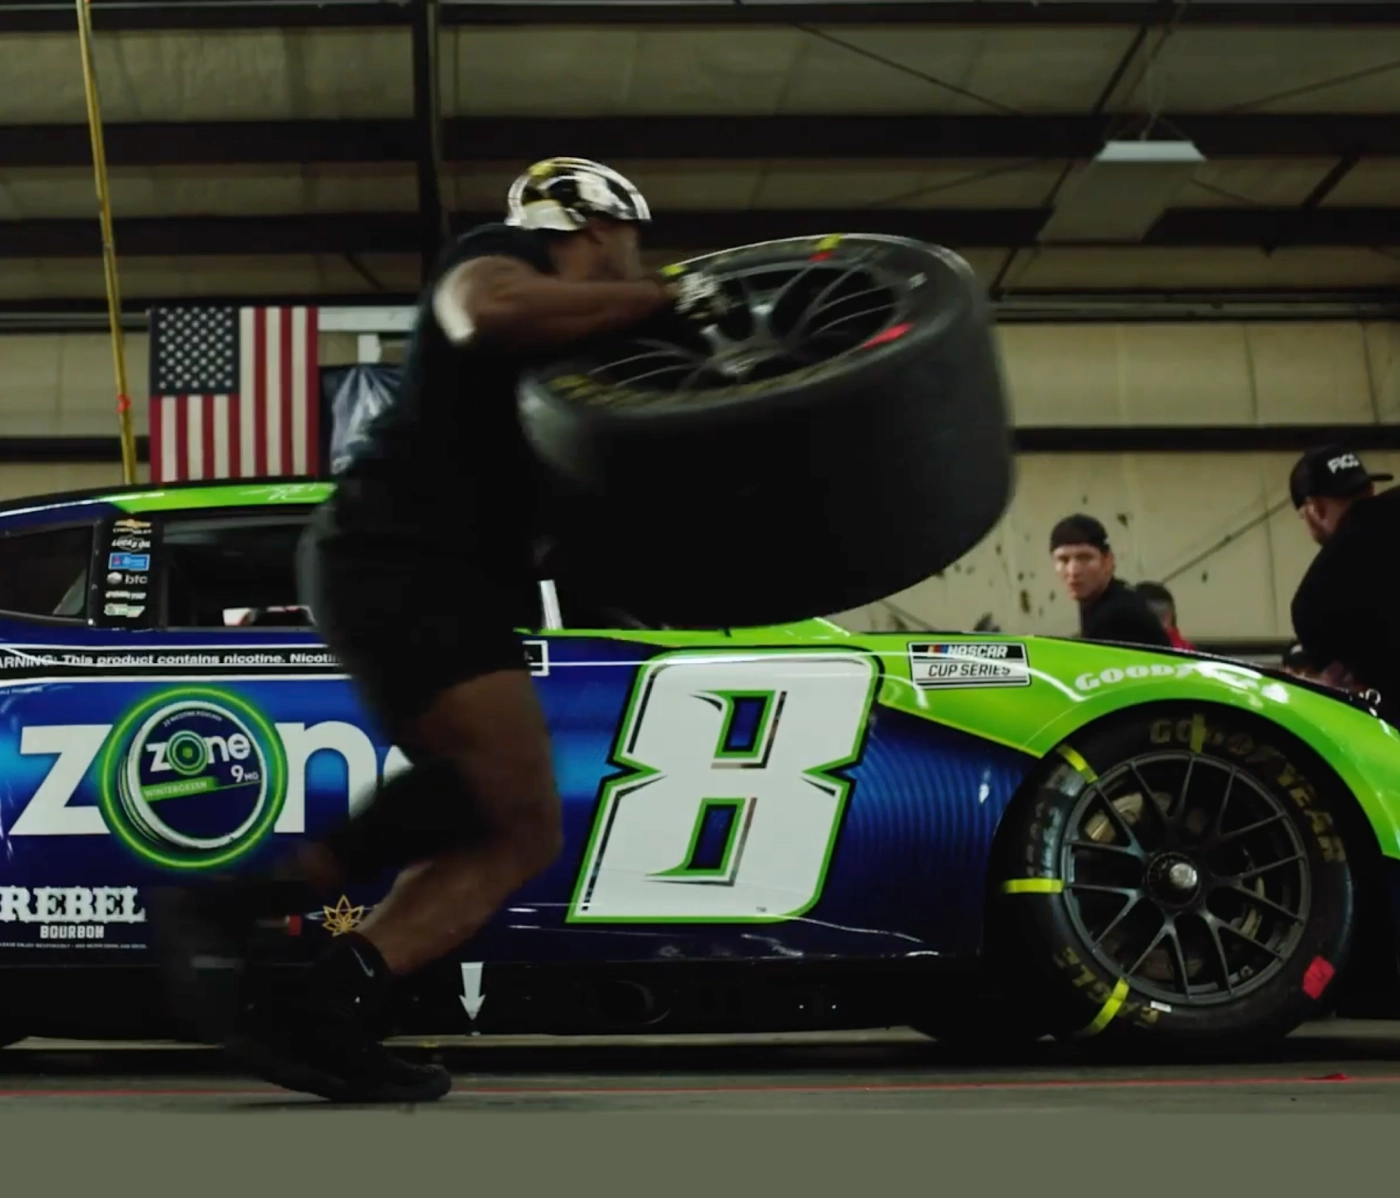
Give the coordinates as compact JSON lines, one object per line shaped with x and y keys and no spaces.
{"x":563,"y":193}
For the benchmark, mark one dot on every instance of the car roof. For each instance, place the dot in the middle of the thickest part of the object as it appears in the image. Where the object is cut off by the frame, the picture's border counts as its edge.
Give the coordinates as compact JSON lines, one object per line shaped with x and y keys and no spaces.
{"x":142,"y":498}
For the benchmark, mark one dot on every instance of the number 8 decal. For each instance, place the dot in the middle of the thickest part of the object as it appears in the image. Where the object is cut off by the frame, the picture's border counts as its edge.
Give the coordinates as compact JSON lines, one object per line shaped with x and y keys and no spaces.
{"x":733,"y":754}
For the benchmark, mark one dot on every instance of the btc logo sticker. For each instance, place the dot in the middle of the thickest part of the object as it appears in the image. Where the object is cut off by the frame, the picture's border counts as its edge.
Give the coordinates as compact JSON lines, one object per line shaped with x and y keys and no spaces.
{"x":193,"y":779}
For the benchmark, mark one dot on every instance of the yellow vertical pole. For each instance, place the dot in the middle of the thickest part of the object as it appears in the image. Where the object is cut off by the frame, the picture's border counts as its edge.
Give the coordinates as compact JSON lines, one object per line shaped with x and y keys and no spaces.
{"x":109,"y":245}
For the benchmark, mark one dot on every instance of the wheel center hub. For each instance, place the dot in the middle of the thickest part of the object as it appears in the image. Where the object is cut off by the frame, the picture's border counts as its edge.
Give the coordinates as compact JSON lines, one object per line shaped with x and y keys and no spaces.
{"x":1173,"y":880}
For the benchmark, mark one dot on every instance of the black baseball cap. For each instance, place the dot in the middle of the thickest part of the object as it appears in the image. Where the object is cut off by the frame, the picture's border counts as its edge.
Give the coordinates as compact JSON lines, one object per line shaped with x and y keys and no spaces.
{"x":1330,"y":471}
{"x":1079,"y":530}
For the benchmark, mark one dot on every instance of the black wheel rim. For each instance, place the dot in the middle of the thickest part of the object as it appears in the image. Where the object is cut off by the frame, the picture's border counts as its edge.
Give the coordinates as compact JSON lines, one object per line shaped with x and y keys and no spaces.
{"x":1186,"y":878}
{"x":784,"y":317}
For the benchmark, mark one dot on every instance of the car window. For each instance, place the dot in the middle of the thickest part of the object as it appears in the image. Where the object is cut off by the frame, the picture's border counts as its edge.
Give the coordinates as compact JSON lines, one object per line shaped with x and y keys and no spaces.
{"x":45,"y":573}
{"x":232,"y":572}
{"x":577,"y":612}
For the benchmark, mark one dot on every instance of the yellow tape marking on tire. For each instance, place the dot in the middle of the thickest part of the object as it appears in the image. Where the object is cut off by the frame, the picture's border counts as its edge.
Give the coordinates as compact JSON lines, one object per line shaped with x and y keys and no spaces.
{"x":1198,"y":733}
{"x":1107,"y":1011}
{"x":1078,"y":763}
{"x":672,"y":270}
{"x":1033,"y":886}
{"x":831,"y":242}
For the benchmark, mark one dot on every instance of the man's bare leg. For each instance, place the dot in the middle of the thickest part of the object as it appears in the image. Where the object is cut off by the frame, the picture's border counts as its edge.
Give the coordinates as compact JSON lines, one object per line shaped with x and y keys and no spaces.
{"x":494,"y":732}
{"x":486,"y":744}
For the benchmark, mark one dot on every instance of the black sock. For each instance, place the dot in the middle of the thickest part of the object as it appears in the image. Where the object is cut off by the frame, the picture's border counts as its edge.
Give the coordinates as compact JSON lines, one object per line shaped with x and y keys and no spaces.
{"x":351,"y":971}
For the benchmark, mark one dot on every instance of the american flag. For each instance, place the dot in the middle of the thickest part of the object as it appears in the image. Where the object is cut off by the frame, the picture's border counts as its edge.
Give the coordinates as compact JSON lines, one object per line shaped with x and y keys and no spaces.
{"x":235,"y":393}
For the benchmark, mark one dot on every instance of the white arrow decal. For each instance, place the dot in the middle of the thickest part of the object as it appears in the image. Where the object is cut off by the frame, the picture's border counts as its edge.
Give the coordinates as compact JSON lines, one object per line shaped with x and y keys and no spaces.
{"x":472,"y":998}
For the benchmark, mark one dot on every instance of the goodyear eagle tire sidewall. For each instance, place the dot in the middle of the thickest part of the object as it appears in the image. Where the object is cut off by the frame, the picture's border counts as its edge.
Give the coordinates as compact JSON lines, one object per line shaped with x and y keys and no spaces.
{"x":1077,"y":987}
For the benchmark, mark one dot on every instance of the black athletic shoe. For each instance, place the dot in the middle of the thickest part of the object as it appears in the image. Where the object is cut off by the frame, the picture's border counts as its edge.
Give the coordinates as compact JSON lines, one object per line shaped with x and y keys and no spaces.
{"x":203,"y":957}
{"x":325,"y":1049}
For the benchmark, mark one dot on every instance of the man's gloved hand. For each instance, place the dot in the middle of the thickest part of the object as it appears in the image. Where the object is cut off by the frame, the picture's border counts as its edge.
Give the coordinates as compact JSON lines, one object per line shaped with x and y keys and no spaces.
{"x":698,"y":298}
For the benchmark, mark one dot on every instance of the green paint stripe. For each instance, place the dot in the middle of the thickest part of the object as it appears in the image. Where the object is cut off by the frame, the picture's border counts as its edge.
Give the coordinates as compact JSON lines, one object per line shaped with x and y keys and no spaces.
{"x":1108,"y":1010}
{"x":218,"y":496}
{"x":1033,"y":886}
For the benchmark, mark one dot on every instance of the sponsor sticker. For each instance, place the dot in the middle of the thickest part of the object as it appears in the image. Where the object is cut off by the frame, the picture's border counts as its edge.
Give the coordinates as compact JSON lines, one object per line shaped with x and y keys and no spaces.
{"x":193,"y":779}
{"x":131,"y":543}
{"x":127,"y":524}
{"x":129,"y":561}
{"x":344,"y":917}
{"x":65,"y":916}
{"x":1133,"y":673}
{"x":945,"y":664}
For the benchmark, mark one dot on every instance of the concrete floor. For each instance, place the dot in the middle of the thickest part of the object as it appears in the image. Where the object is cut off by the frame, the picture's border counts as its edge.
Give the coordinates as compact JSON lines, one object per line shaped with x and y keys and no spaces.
{"x":1333,"y":1067}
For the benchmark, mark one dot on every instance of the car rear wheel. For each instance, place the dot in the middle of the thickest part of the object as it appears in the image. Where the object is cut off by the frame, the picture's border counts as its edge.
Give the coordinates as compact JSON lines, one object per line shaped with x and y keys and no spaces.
{"x":842,"y":434}
{"x":1181,"y":877}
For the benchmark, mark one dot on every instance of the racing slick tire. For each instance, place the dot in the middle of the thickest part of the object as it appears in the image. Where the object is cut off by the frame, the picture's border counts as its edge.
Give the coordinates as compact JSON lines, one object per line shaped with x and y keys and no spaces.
{"x":1211,"y":918}
{"x":841,"y":434}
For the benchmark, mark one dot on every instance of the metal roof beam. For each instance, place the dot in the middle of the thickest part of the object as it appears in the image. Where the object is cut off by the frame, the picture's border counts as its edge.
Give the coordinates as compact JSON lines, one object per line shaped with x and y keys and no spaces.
{"x":687,"y":232}
{"x":46,"y":16}
{"x":921,"y":137}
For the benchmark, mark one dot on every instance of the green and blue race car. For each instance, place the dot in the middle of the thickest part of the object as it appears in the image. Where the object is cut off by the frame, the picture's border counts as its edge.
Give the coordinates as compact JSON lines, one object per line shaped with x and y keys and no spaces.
{"x":777,"y":828}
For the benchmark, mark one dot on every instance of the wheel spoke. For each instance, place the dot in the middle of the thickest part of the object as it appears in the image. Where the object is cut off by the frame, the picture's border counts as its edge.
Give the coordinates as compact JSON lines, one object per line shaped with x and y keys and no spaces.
{"x":1211,"y":923}
{"x":1120,"y":825}
{"x":1123,"y":913}
{"x":1218,"y":824}
{"x":828,"y":326}
{"x":1147,"y":952}
{"x":654,"y":349}
{"x":1178,"y":957}
{"x":1177,"y":812}
{"x":1094,"y":888}
{"x":1241,"y":935}
{"x":1259,"y":900}
{"x":698,"y":372}
{"x":1263,"y":869}
{"x":1098,"y":846}
{"x":637,"y":379}
{"x":1227,"y":837}
{"x":1149,"y":803}
{"x":817,"y":305}
{"x":783,"y":291}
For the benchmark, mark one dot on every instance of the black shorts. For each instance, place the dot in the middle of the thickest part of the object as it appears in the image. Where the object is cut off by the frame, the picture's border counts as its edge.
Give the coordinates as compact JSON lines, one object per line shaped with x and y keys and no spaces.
{"x":409,"y":623}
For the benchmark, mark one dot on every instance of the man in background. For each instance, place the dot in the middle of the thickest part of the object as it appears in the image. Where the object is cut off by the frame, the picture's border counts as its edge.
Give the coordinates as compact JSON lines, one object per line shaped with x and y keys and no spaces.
{"x":1109,"y":610}
{"x":1345,"y":612}
{"x":1163,"y":606}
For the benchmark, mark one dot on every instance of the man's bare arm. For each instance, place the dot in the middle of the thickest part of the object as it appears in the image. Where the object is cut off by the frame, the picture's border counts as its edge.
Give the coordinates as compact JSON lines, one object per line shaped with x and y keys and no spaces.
{"x":503,"y":301}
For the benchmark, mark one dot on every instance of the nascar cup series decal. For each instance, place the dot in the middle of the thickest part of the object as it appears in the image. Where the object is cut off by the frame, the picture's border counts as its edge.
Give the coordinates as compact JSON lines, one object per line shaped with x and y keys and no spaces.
{"x":193,"y":779}
{"x":933,"y":666}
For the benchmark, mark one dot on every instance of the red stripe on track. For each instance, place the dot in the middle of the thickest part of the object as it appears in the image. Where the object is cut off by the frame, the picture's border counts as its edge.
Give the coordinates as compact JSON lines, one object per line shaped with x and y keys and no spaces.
{"x":815,"y":1088}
